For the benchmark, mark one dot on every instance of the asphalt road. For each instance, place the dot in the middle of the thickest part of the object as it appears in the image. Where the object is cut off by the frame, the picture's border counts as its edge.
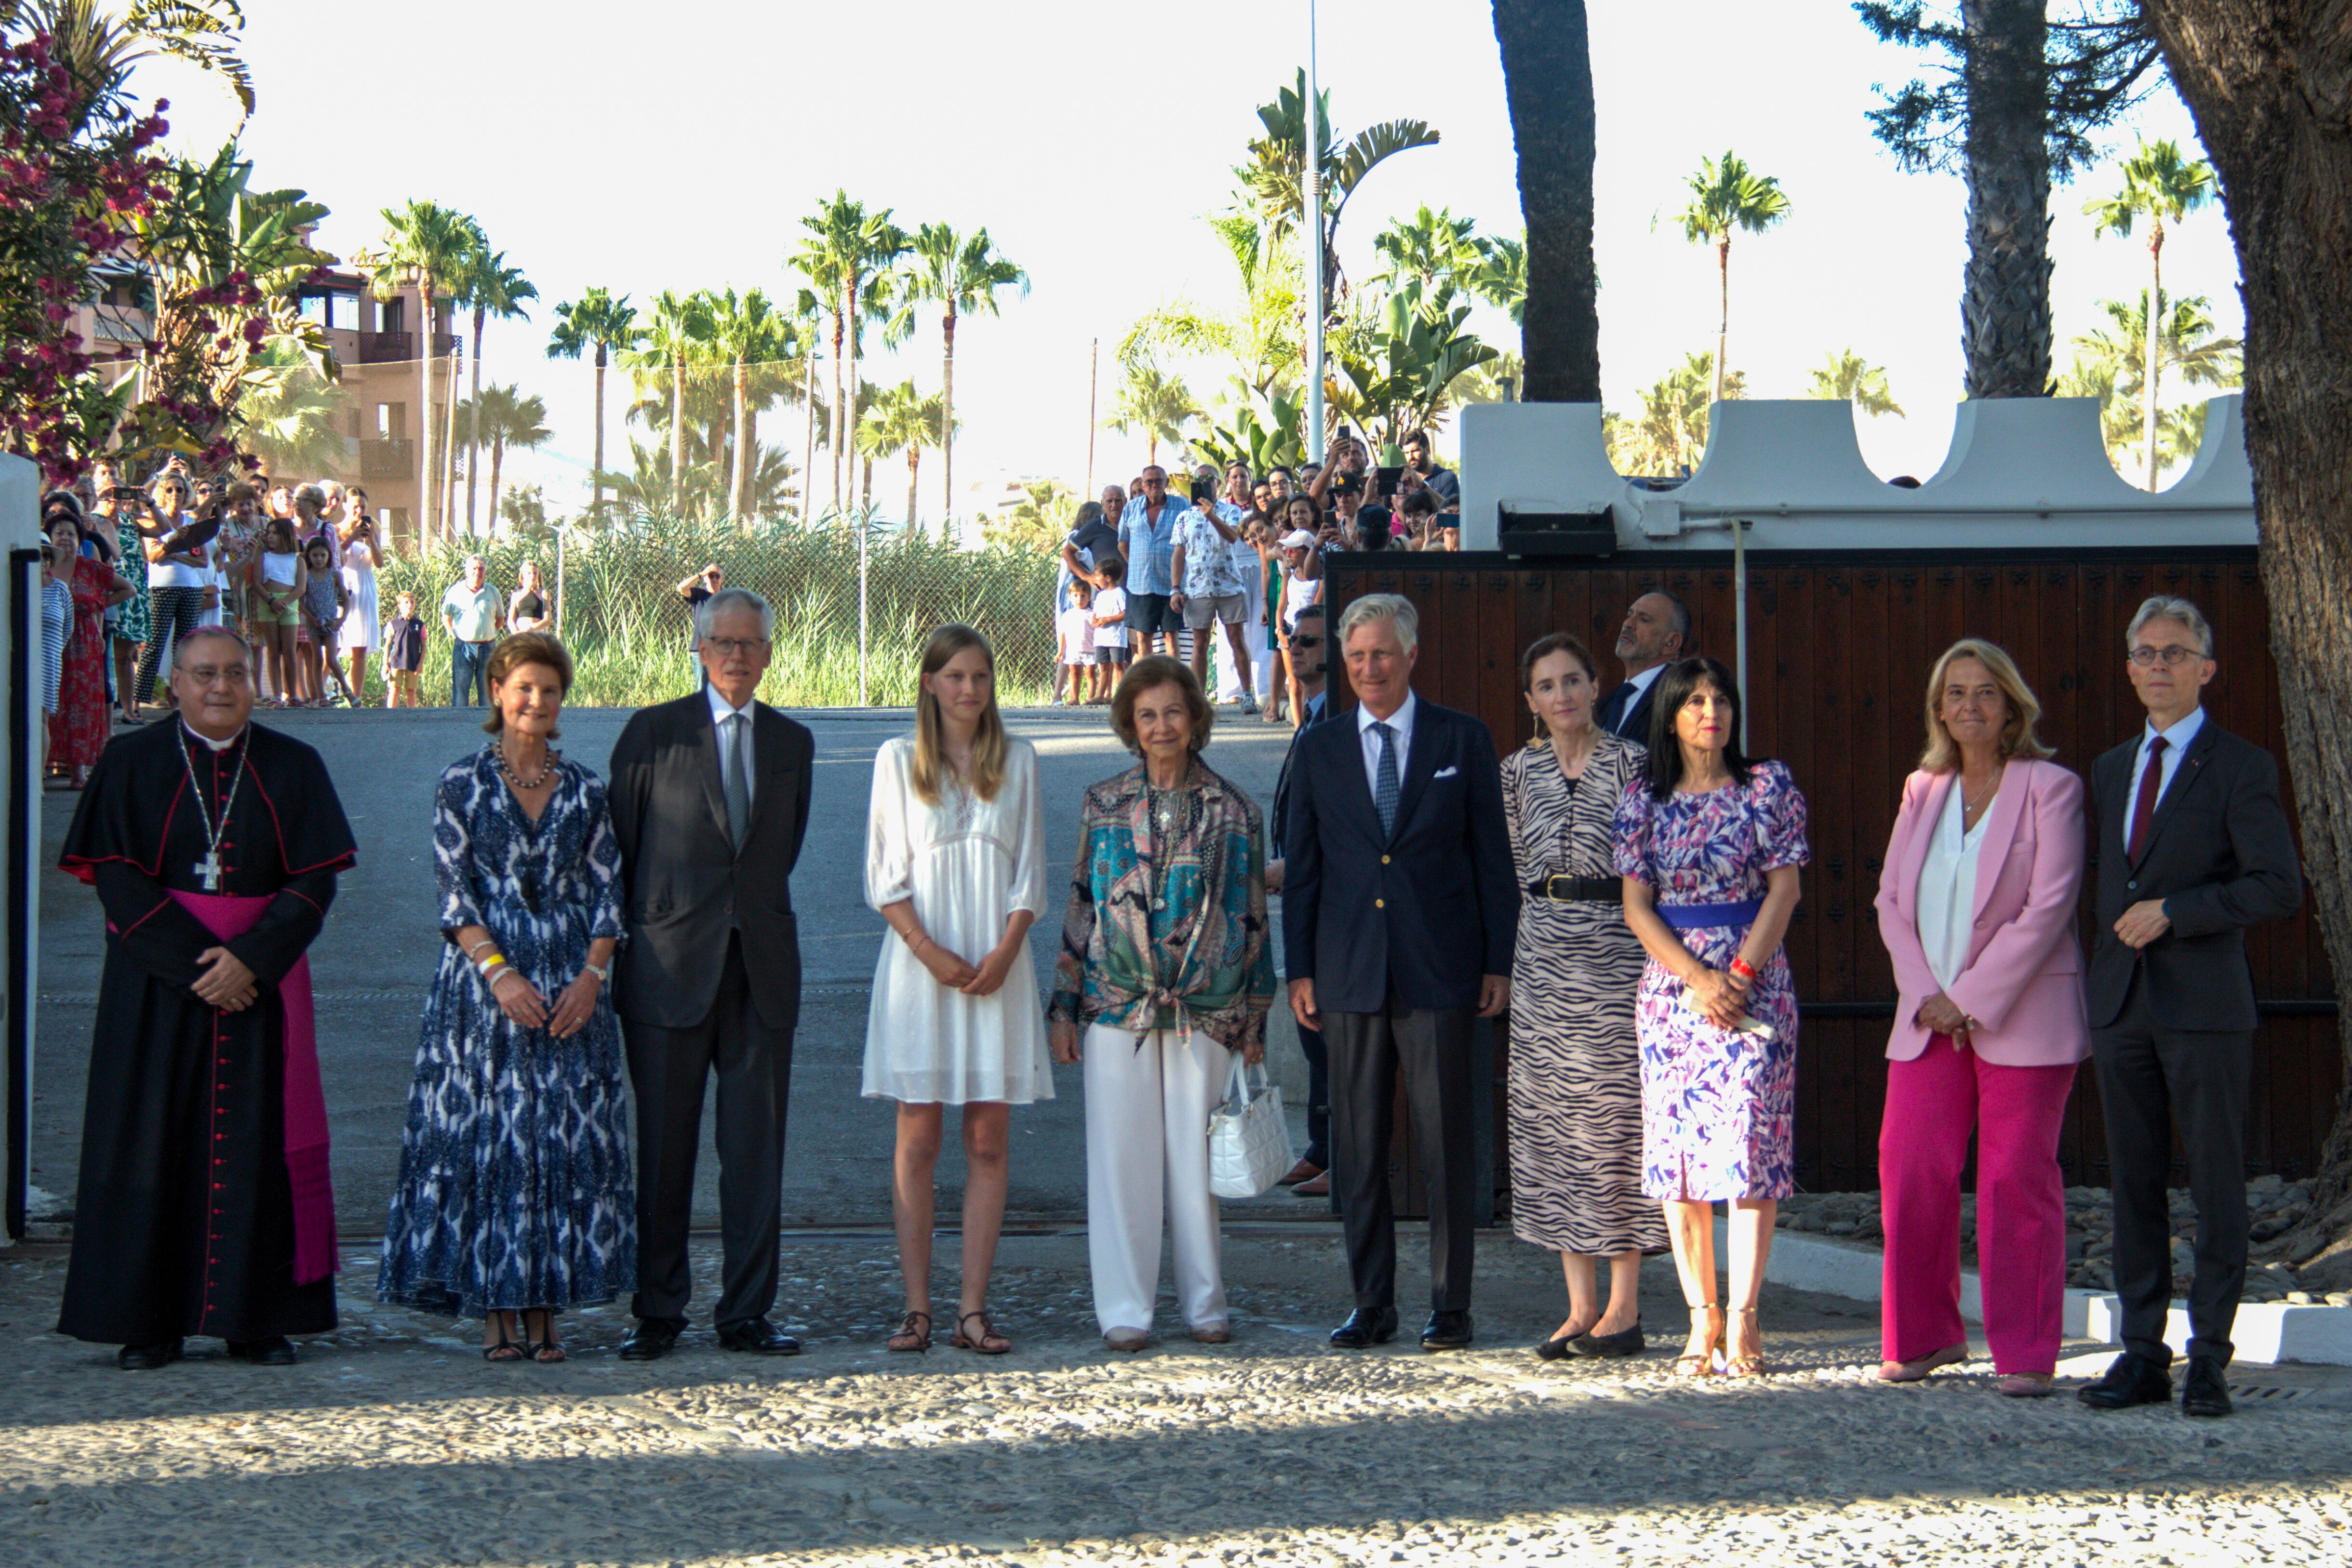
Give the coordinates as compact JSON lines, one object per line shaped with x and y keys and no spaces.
{"x":371,"y":966}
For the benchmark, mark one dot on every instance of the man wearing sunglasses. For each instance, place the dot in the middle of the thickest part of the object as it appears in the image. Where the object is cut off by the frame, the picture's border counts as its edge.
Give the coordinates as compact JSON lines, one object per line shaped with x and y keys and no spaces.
{"x":1310,"y":1177}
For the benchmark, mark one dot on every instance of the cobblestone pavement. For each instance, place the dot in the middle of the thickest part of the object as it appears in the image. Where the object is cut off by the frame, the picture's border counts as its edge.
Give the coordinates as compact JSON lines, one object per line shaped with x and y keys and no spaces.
{"x":394,"y":1443}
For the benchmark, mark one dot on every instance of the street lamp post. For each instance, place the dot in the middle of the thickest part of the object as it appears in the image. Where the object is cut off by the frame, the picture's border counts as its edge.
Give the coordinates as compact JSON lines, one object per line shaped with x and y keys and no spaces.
{"x":1311,"y":155}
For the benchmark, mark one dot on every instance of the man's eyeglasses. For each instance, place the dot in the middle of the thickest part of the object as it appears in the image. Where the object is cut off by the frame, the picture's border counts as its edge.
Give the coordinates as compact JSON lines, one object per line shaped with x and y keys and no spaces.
{"x":2146,"y":658}
{"x":229,"y":676}
{"x":728,"y":647}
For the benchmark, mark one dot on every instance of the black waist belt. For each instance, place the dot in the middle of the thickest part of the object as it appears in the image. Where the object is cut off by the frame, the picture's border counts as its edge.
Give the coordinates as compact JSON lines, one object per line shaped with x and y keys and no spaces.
{"x":1580,"y":889}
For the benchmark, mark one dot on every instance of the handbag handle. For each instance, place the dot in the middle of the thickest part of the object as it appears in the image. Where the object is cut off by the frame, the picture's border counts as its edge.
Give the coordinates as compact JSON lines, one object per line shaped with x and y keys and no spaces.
{"x":1237,"y":1083}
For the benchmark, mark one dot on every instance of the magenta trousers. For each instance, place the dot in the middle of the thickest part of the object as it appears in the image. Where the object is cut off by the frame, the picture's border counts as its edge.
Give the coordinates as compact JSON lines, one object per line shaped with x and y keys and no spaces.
{"x":1933,"y":1102}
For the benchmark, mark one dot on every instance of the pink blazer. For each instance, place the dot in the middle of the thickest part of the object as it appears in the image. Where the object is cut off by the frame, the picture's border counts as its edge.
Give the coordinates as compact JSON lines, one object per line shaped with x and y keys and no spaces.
{"x":2024,"y":979}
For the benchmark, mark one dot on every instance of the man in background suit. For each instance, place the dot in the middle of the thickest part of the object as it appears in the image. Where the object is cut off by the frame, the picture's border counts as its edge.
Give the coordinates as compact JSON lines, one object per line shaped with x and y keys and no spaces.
{"x":1399,"y":913}
{"x":710,"y":800}
{"x":1311,"y":1177}
{"x":1655,"y":634}
{"x":2192,"y":847}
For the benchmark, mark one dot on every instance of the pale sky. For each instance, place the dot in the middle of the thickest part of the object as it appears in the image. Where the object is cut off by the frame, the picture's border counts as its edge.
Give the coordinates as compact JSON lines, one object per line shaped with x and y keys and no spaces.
{"x":679,"y":147}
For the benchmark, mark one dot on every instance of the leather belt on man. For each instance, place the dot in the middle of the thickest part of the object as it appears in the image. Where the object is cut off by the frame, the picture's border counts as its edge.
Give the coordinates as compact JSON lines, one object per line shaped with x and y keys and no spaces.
{"x":1580,"y":889}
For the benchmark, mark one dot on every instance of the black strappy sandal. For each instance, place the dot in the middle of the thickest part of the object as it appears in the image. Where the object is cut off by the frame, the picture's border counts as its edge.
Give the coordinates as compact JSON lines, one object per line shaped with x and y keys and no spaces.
{"x":919,"y":1339}
{"x":980,"y":1343}
{"x":546,"y":1351}
{"x":506,"y":1350}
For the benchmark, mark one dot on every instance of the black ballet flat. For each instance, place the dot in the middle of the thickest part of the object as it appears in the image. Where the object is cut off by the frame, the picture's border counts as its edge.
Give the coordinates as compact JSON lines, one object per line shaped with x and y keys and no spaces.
{"x":1557,"y":1349}
{"x":1608,"y":1346}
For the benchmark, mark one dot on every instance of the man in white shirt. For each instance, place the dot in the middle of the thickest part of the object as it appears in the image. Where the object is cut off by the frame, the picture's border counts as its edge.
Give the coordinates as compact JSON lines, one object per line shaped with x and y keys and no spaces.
{"x":1655,"y":634}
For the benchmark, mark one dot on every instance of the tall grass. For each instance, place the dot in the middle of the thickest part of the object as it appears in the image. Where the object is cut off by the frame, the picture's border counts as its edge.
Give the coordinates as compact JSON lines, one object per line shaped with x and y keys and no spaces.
{"x":627,"y":628}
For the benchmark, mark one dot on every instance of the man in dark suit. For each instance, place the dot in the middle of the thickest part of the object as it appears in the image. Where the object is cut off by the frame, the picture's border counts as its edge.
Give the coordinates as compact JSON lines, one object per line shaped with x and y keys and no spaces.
{"x":1311,"y":1177}
{"x":2192,"y":847}
{"x":1655,"y":634}
{"x":1398,"y":912}
{"x":710,"y":800}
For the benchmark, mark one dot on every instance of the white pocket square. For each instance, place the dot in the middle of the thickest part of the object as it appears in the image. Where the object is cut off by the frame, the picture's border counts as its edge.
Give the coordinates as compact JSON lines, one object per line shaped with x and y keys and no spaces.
{"x":1446,"y":773}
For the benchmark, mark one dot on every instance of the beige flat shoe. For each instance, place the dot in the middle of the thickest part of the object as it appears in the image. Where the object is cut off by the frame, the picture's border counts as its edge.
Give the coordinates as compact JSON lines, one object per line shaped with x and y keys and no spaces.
{"x":1127,"y":1339}
{"x":2027,"y":1385}
{"x":1917,"y":1370}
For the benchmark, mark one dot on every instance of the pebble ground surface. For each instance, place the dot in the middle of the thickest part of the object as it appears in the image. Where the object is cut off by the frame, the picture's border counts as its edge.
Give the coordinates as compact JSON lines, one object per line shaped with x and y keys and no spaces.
{"x":393,"y":1443}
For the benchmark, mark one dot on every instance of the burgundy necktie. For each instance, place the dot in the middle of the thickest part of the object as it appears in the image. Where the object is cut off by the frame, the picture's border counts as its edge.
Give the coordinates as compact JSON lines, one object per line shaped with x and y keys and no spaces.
{"x":2151,"y":784}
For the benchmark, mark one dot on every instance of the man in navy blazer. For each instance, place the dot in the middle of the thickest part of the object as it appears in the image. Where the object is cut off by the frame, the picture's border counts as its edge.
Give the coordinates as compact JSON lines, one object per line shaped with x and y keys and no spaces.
{"x":1399,"y":917}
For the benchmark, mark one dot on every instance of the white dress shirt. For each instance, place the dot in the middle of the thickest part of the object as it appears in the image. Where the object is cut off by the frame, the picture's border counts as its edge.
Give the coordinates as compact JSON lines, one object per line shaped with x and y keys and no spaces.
{"x":2175,"y":747}
{"x":1401,"y":722}
{"x":720,"y":712}
{"x":1947,"y":887}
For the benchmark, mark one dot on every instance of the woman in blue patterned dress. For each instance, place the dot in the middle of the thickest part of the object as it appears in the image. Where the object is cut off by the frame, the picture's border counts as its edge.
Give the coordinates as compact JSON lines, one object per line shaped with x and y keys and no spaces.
{"x":515,"y":1197}
{"x":1710,"y":852}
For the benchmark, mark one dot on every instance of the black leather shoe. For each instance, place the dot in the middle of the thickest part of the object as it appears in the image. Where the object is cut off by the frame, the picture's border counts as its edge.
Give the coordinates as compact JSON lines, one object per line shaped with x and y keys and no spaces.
{"x":2130,"y":1379}
{"x":1606,"y":1346}
{"x":275,"y":1351}
{"x":1445,"y":1331}
{"x":2206,"y":1390}
{"x":1556,"y":1349}
{"x":760,"y":1337}
{"x":1364,"y":1330}
{"x":147,"y":1357}
{"x":651,"y":1339}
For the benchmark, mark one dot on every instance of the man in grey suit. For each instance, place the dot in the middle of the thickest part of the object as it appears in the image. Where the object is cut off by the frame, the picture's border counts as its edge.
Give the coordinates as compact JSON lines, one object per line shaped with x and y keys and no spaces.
{"x":2192,"y":847}
{"x":710,"y":801}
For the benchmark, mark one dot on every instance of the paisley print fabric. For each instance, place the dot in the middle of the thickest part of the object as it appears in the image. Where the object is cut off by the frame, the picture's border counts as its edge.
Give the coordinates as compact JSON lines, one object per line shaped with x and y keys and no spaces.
{"x":1718,"y":1107}
{"x":515,"y":1178}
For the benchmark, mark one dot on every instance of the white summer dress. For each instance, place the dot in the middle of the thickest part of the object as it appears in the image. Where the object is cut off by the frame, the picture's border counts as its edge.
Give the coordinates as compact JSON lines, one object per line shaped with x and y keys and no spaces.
{"x":361,"y":626}
{"x":968,"y":864}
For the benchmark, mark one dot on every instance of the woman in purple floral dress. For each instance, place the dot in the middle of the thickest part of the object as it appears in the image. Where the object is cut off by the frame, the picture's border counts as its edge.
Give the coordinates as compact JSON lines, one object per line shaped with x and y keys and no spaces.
{"x":1710,"y":854}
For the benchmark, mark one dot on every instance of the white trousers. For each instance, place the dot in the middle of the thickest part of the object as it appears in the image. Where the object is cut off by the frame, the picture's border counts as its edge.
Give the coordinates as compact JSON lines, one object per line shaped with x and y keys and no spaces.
{"x":1147,"y":1152}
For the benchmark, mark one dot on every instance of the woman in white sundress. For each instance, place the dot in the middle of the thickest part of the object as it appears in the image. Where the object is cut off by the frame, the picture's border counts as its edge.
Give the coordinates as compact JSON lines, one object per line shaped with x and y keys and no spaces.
{"x":955,"y":862}
{"x":361,"y":630}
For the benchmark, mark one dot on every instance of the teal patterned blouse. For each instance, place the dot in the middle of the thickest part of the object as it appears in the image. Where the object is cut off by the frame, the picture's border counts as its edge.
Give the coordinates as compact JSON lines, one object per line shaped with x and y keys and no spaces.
{"x":1164,"y":936}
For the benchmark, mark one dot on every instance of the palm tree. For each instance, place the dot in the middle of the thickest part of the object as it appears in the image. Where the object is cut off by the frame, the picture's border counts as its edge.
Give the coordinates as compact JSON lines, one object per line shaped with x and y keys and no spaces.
{"x":1669,"y":435}
{"x":1847,"y":377}
{"x":961,"y":274}
{"x":595,"y":323}
{"x":430,"y":246}
{"x":901,"y":419}
{"x":100,"y":50}
{"x":808,"y":315}
{"x":1727,"y":196}
{"x":505,"y":418}
{"x":844,"y":256}
{"x":287,"y":412}
{"x":2161,"y":184}
{"x":1547,"y":86}
{"x":1154,"y":403}
{"x":745,"y":332}
{"x":678,"y":332}
{"x":1501,"y":279}
{"x":1434,"y":248}
{"x":2118,"y":365}
{"x":492,"y":289}
{"x":1276,"y":172}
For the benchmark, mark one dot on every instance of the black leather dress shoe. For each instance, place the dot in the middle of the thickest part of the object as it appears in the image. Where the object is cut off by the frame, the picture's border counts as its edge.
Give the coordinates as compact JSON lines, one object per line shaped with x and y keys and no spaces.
{"x":1445,"y":1331}
{"x":275,"y":1351}
{"x":147,"y":1357}
{"x":2206,"y":1390}
{"x":1365,"y":1329}
{"x":2130,"y":1379}
{"x":651,"y":1339}
{"x":760,"y":1337}
{"x":1606,"y":1346}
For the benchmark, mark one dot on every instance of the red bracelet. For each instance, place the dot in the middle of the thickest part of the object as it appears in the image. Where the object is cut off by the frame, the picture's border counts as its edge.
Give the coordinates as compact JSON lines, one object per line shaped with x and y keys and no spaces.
{"x":1739,"y":967}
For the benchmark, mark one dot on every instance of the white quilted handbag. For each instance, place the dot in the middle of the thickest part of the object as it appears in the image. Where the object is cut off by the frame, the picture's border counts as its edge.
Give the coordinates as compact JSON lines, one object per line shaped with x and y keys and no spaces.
{"x":1249,"y":1137}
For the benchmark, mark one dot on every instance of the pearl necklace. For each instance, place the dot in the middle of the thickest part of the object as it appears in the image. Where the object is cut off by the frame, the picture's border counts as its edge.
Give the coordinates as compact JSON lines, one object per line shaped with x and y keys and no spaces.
{"x":546,"y":766}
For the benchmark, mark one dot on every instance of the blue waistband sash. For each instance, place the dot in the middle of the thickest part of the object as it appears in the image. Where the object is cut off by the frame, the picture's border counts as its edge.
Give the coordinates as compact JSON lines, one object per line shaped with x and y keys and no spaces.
{"x":1689,"y":916}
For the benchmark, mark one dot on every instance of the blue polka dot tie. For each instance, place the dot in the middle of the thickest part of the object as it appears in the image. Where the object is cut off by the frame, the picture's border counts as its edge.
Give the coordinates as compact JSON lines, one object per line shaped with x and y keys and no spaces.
{"x":1385,"y":787}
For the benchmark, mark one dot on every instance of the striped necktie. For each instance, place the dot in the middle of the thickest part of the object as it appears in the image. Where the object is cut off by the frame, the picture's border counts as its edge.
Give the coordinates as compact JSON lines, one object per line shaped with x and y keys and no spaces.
{"x":1384,"y":788}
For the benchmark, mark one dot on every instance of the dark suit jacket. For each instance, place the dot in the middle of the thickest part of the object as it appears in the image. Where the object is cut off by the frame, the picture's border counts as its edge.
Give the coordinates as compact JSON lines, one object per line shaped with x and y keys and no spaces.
{"x":1610,"y":714}
{"x":1318,"y":709}
{"x":686,"y":885}
{"x":2219,"y":855}
{"x":1423,"y":913}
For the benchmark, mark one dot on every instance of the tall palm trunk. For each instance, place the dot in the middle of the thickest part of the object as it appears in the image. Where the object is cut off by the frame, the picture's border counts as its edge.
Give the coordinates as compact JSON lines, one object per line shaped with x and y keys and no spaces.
{"x":2005,"y":295}
{"x":914,"y":460}
{"x":2154,"y":333}
{"x":474,"y":427}
{"x":739,"y":489}
{"x":849,"y":410}
{"x":596,"y":484}
{"x":1722,"y":320}
{"x":833,"y":441}
{"x":866,"y":497}
{"x":677,"y":431}
{"x":428,"y":475}
{"x":808,"y":439}
{"x":1547,"y":80}
{"x":497,"y":458}
{"x":947,"y":432}
{"x":448,"y":475}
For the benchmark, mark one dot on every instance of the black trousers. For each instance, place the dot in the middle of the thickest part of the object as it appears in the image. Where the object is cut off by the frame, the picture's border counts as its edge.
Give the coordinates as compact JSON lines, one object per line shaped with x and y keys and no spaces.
{"x":669,"y":1069}
{"x":1432,"y":1047}
{"x":2152,"y":1077}
{"x":1318,"y":1097}
{"x":172,"y":614}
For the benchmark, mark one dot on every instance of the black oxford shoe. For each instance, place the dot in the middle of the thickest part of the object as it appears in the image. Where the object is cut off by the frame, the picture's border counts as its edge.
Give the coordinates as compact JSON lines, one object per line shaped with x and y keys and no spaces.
{"x":275,"y":1351}
{"x":1446,"y":1330}
{"x":760,"y":1337}
{"x":2130,"y":1379}
{"x":2206,"y":1390}
{"x":1365,"y":1329}
{"x":147,"y":1357}
{"x":650,"y":1340}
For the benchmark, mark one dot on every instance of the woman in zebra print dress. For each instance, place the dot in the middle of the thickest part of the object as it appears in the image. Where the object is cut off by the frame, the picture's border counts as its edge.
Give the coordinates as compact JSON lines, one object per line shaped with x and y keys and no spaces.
{"x":1575,"y":1070}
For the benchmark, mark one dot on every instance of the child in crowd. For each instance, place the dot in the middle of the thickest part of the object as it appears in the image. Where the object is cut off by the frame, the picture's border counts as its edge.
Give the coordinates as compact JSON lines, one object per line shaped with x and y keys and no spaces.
{"x":1109,"y":616}
{"x":323,"y":605}
{"x":1077,"y":639}
{"x":403,"y":655}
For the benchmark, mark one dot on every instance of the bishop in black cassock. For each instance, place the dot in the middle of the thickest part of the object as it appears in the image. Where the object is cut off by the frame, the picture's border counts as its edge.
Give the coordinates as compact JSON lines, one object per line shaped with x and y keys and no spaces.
{"x":204,"y":1206}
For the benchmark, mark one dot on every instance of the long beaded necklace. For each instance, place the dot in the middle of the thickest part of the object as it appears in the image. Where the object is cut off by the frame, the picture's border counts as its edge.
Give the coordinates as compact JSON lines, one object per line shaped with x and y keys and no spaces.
{"x":209,"y":868}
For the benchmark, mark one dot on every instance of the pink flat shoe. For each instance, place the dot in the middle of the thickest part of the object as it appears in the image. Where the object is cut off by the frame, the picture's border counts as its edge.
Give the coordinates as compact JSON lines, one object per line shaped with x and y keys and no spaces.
{"x":1917,"y":1370}
{"x":2027,"y":1385}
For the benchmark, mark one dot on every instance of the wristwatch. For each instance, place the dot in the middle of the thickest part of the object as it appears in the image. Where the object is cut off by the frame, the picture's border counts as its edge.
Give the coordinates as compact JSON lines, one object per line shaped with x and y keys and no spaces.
{"x":602,"y":972}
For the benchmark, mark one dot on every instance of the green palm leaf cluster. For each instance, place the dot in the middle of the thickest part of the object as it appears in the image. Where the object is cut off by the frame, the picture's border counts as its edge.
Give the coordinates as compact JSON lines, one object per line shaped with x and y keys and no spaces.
{"x":1667,"y":435}
{"x":502,"y":419}
{"x":1845,"y":376}
{"x":2112,"y":365}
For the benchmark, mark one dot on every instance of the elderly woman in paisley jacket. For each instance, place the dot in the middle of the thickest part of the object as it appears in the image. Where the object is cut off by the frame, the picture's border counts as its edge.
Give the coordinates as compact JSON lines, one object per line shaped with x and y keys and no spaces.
{"x":1165,"y":968}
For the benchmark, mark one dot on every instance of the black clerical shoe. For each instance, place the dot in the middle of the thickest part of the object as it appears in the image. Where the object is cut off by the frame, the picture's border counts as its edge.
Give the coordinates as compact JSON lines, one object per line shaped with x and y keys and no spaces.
{"x":147,"y":1357}
{"x":1445,"y":1331}
{"x":2206,"y":1390}
{"x":759,"y":1336}
{"x":275,"y":1351}
{"x":2130,"y":1379}
{"x":651,"y":1339}
{"x":1365,"y":1329}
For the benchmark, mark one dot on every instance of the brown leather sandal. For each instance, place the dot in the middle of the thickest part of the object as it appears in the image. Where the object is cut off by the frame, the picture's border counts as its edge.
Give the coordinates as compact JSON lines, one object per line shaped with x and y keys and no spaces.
{"x":909,"y":1338}
{"x":988,"y":1342}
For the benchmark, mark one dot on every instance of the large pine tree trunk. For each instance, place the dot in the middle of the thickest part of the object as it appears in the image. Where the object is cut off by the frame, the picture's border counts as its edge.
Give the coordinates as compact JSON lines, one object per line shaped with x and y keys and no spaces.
{"x":2005,"y":294}
{"x":1547,"y":79}
{"x":2270,"y":84}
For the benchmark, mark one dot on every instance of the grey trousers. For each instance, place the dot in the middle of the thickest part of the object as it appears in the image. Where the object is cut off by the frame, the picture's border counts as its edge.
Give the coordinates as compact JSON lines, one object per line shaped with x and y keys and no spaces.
{"x":1431,"y":1048}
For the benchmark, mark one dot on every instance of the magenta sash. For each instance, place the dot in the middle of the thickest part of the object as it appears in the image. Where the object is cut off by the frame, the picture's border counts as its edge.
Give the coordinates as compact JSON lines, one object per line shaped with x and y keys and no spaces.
{"x":315,"y":1254}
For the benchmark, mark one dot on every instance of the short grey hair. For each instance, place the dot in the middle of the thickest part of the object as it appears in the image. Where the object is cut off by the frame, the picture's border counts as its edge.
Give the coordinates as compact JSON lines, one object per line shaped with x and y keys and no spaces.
{"x":1394,"y":608}
{"x":196,"y":634}
{"x":2169,"y":607}
{"x":727,"y":599}
{"x":312,"y":494}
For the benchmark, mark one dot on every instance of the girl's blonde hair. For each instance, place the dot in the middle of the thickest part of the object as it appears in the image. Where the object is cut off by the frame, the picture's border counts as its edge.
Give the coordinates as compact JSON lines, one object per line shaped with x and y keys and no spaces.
{"x":930,"y":769}
{"x":2017,"y":737}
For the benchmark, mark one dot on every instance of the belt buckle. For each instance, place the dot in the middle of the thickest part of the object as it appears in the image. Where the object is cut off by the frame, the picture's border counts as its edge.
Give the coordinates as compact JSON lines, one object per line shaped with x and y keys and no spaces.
{"x":1551,"y":887}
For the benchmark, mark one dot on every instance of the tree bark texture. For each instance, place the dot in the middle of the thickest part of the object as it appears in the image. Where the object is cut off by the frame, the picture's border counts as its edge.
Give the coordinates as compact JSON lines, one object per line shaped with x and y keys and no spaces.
{"x":677,"y":431}
{"x":2270,"y":85}
{"x":1547,"y":79}
{"x":596,"y":484}
{"x":947,"y":430}
{"x":739,"y":486}
{"x":2152,"y":342}
{"x":473,"y":429}
{"x":428,"y":473}
{"x":2005,"y":292}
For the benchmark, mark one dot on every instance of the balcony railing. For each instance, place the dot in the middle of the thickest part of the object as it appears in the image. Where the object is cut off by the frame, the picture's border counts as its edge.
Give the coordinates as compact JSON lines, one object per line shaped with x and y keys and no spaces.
{"x":392,"y":348}
{"x":389,"y":459}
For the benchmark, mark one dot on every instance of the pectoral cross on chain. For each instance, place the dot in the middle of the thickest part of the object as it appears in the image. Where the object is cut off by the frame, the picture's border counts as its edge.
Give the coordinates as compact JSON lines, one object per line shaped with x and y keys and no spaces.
{"x":209,"y":868}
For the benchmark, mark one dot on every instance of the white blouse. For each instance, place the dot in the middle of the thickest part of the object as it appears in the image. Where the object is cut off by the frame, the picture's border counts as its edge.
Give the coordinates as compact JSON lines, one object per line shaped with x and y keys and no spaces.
{"x":1947,"y":888}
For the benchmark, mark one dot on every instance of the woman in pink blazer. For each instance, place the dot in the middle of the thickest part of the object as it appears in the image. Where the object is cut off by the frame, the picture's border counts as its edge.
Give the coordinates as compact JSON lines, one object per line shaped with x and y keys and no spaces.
{"x":1976,"y":905}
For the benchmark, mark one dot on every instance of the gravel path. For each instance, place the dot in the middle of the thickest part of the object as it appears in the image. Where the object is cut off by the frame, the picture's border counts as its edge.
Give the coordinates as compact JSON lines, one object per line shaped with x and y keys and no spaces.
{"x":393,"y":1443}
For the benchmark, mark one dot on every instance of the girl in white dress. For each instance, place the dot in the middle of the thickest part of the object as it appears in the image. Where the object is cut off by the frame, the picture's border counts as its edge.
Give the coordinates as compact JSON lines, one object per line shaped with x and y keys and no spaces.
{"x":362,"y":627}
{"x":955,"y":862}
